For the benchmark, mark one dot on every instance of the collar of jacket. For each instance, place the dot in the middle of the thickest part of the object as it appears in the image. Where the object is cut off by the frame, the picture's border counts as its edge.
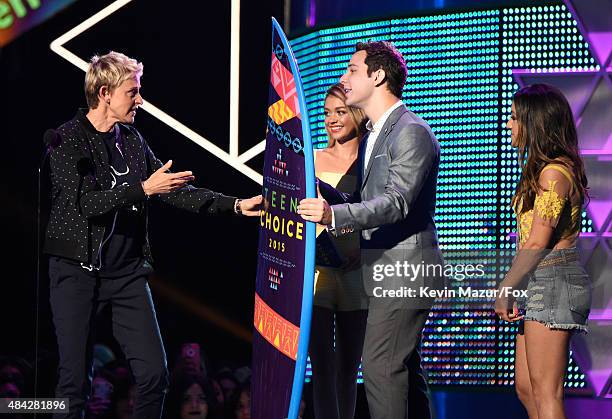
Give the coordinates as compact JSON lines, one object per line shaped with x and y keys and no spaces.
{"x":382,"y":136}
{"x":95,"y":146}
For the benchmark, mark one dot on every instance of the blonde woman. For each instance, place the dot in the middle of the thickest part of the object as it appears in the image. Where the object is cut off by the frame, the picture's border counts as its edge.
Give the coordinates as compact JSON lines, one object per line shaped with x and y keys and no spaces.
{"x":340,"y":304}
{"x":103,"y":176}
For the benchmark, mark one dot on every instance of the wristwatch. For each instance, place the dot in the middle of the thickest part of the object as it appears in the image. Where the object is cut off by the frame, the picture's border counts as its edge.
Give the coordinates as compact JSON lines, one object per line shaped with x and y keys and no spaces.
{"x":237,"y":208}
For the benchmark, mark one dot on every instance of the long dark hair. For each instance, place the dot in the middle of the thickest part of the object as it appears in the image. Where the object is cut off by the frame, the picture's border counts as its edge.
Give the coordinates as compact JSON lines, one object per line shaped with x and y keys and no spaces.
{"x":546,"y":134}
{"x":178,"y":387}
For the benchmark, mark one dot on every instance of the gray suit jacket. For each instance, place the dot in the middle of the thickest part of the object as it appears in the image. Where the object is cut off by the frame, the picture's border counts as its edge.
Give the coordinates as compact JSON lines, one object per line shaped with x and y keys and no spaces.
{"x":397,"y":197}
{"x":394,"y":207}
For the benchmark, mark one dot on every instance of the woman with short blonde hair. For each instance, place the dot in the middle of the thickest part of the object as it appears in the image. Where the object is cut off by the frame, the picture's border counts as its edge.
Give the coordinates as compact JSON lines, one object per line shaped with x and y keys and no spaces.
{"x":103,"y":176}
{"x":109,"y":70}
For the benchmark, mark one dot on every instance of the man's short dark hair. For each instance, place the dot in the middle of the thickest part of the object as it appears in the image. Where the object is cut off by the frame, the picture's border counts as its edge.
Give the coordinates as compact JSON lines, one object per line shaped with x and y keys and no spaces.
{"x":383,"y":55}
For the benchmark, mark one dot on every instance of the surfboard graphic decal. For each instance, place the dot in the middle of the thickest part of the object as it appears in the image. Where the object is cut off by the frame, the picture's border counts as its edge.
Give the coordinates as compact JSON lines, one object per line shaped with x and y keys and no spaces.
{"x":285,"y":268}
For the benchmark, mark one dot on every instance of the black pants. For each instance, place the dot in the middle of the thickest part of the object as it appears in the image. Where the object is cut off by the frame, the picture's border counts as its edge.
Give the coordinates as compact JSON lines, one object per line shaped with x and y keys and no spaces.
{"x":334,"y":369}
{"x":76,"y":297}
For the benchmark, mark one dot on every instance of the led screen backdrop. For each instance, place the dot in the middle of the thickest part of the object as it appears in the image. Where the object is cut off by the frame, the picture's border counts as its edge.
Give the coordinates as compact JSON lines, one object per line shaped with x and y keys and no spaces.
{"x":460,"y":81}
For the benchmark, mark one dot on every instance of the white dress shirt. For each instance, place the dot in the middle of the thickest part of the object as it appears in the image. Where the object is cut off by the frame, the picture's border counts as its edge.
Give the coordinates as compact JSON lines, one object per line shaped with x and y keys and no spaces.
{"x":375,"y":131}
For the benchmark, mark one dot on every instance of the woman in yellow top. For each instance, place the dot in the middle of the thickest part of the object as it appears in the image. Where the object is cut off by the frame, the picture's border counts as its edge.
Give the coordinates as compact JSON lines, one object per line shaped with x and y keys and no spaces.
{"x":548,"y":203}
{"x":340,"y":304}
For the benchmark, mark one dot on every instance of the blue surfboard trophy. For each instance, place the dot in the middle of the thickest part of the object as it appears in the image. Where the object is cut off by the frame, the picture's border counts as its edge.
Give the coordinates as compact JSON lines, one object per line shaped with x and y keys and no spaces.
{"x":286,"y":252}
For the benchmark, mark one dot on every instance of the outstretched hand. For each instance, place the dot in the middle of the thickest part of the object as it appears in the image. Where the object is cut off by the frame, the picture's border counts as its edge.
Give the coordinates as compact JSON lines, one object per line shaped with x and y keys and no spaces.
{"x":162,"y":182}
{"x":251,"y":206}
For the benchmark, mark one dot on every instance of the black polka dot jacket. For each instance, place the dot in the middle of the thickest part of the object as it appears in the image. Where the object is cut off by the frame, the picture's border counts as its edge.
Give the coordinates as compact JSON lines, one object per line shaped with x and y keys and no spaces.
{"x":82,"y":201}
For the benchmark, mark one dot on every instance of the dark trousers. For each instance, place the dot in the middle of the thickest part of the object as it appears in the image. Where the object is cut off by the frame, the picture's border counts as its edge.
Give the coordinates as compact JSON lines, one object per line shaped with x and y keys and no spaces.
{"x":394,"y":381}
{"x":76,"y":297}
{"x":336,"y":343}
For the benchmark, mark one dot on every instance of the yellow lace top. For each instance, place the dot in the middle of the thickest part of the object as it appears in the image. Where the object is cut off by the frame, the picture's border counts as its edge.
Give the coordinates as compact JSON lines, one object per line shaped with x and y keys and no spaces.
{"x":555,"y":206}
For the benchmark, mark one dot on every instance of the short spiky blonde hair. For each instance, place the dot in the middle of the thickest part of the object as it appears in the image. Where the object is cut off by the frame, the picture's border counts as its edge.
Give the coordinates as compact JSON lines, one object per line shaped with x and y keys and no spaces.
{"x":108,"y":70}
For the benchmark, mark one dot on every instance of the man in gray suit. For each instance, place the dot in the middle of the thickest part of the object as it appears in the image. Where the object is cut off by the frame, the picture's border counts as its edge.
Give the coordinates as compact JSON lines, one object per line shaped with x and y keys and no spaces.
{"x":394,"y":209}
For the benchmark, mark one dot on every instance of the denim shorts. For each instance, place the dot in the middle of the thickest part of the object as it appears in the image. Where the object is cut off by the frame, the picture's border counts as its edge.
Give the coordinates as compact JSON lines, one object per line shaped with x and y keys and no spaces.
{"x":559,"y":295}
